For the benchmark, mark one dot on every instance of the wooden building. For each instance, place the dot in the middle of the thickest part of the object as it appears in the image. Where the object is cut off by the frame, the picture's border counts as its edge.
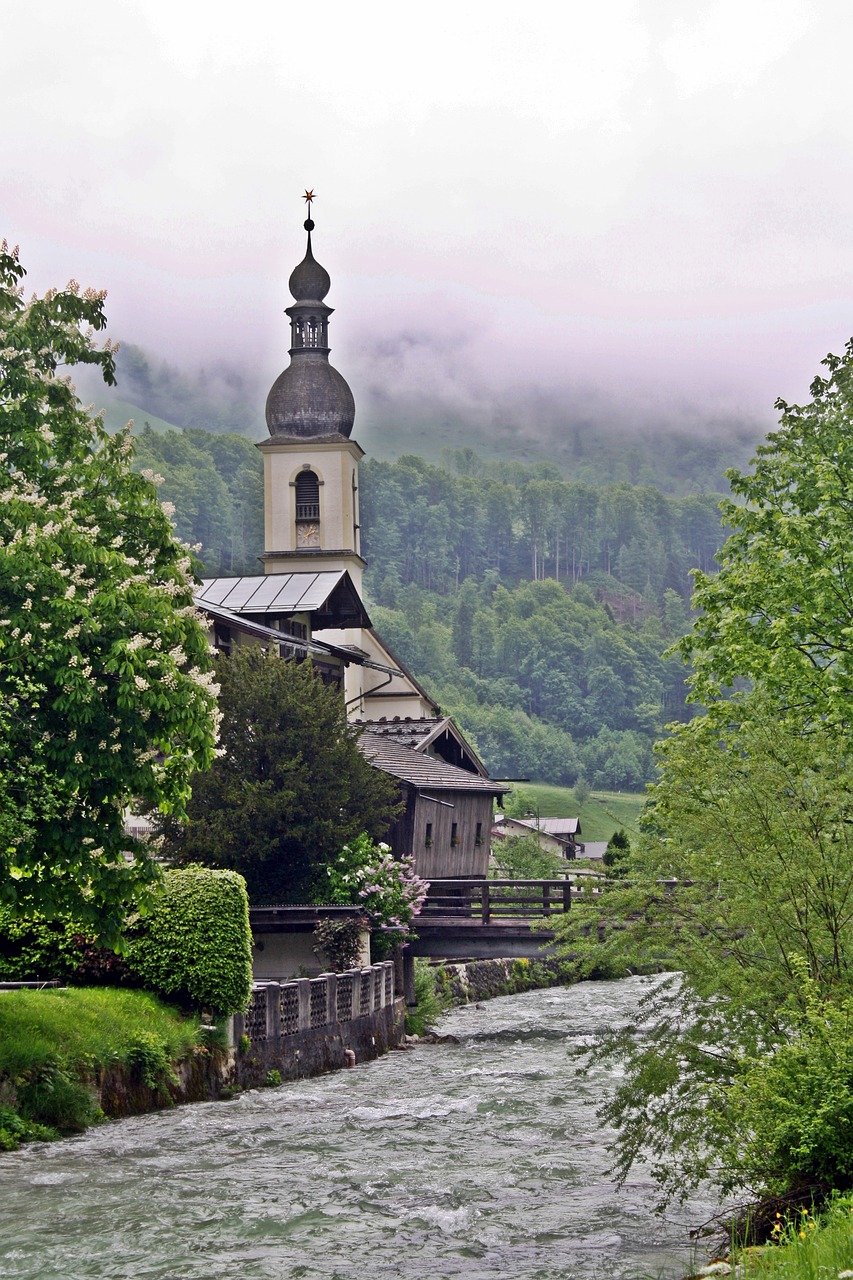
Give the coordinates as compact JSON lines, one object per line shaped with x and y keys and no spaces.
{"x":448,"y":810}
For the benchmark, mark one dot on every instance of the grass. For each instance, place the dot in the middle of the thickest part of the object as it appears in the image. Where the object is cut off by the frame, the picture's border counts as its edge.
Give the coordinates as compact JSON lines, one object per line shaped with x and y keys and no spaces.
{"x":808,"y":1248}
{"x":85,"y":1029}
{"x":602,"y":814}
{"x":52,"y":1044}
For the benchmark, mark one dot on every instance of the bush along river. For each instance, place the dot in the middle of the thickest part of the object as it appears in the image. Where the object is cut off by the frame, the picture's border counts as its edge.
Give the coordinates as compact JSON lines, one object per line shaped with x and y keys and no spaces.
{"x":481,"y":1158}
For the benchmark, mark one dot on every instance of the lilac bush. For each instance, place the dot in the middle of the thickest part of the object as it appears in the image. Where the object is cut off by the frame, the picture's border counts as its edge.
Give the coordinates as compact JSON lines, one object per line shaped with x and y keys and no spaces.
{"x":367,"y":875}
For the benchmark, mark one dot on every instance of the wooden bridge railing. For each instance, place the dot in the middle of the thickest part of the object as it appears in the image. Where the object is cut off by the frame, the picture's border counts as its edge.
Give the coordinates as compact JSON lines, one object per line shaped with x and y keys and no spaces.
{"x":486,"y":900}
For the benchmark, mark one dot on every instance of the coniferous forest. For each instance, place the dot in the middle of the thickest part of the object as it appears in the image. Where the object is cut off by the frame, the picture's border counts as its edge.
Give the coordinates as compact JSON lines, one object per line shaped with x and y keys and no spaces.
{"x":537,"y":609}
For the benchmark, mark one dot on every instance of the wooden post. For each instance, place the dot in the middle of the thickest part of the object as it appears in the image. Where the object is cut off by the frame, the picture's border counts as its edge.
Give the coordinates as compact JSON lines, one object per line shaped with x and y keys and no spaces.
{"x":486,"y":902}
{"x":546,"y":899}
{"x":567,"y":895}
{"x":409,"y":977}
{"x":303,"y":995}
{"x":399,"y":988}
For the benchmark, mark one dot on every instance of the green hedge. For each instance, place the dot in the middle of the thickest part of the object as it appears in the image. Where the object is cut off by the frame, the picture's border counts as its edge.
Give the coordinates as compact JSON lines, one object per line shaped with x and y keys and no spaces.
{"x":193,"y":948}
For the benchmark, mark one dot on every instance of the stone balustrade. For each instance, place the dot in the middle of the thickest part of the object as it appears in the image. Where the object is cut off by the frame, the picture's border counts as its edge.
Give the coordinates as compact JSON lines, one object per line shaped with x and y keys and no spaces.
{"x":280,"y":1009}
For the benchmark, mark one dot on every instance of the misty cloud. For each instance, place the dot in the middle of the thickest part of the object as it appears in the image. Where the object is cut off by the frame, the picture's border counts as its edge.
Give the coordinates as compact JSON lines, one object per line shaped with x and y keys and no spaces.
{"x":620,"y":209}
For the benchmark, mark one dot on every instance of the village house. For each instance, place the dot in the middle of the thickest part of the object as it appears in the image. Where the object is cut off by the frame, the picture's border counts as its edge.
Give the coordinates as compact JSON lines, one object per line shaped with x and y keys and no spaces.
{"x":555,"y":835}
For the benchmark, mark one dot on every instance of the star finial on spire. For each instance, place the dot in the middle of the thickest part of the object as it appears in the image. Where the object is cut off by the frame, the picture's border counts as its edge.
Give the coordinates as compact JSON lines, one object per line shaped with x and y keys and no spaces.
{"x":308,"y":197}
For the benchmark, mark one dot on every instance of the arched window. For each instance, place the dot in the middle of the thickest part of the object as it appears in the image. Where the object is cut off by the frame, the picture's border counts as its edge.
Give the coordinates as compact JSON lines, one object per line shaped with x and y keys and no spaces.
{"x":307,"y":496}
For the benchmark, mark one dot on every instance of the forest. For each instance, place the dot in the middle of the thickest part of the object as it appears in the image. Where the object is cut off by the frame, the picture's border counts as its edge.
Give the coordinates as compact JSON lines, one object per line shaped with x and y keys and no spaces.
{"x":535,"y":609}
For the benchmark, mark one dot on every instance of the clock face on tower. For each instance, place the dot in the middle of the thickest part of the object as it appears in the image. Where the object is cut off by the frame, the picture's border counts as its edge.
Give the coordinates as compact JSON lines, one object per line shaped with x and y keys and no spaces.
{"x":307,"y":535}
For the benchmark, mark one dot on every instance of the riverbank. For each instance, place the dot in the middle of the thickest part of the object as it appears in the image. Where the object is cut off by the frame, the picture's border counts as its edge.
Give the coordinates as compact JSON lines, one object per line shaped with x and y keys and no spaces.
{"x":70,"y":1058}
{"x":73,"y":1057}
{"x":804,"y":1245}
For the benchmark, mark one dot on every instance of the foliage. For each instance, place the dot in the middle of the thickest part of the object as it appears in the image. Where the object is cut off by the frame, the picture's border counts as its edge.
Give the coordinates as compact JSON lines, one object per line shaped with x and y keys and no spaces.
{"x":744,"y":883}
{"x":338,"y":942}
{"x":523,"y":858}
{"x":806,"y":1246}
{"x":54,"y":1043}
{"x":780,"y":610}
{"x":14,"y":1130}
{"x":616,"y":854}
{"x":365,"y":874}
{"x":795,"y":1103}
{"x":555,"y":689}
{"x":106,"y":696}
{"x":33,"y":949}
{"x":517,"y":803}
{"x":438,"y":526}
{"x":289,"y":786}
{"x":215,"y":484}
{"x":148,"y":1060}
{"x":429,"y":1004}
{"x":195,"y":946}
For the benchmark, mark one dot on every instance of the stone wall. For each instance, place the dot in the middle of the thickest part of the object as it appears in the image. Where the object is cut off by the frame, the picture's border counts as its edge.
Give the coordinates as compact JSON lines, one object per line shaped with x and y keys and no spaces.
{"x":468,"y":982}
{"x":329,"y":1048}
{"x":295,"y":1029}
{"x":311,"y":1025}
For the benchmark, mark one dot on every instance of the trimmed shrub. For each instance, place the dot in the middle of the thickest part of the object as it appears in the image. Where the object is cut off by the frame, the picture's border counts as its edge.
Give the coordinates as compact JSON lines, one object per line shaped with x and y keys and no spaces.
{"x":195,"y":946}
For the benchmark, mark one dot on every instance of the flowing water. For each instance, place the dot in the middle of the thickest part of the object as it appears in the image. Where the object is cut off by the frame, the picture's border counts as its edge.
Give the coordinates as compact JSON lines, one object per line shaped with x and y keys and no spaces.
{"x":482,"y":1159}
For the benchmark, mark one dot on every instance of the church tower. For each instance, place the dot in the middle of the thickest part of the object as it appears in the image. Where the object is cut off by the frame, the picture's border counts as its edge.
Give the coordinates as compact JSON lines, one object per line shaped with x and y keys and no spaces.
{"x":311,"y":510}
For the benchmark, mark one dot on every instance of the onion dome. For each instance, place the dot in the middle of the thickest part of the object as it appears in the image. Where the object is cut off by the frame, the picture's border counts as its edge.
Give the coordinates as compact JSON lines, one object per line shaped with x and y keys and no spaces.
{"x":309,"y":282}
{"x":310,"y":400}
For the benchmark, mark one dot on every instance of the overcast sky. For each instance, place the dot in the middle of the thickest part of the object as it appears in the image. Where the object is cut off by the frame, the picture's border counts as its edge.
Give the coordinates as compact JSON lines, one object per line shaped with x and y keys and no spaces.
{"x":645,"y":205}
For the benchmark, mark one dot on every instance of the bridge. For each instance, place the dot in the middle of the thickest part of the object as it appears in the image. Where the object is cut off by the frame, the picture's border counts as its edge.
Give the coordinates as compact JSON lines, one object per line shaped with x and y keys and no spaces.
{"x":487,"y":919}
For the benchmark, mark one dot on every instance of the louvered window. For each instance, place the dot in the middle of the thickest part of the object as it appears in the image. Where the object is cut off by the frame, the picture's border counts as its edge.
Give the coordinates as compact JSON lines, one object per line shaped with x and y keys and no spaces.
{"x":307,"y":496}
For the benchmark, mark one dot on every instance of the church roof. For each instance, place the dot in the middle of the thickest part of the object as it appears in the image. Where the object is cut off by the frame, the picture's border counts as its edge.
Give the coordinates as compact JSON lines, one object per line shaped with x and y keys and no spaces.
{"x":419,"y":769}
{"x":330,"y":597}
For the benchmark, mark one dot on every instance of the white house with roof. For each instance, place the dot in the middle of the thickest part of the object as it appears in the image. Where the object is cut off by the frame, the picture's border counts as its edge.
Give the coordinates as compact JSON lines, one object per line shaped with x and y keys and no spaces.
{"x":556,"y":835}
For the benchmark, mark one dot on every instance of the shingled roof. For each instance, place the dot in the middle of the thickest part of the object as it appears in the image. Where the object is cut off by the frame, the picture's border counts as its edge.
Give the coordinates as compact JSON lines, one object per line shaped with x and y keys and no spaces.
{"x":418,"y":768}
{"x":426,"y":732}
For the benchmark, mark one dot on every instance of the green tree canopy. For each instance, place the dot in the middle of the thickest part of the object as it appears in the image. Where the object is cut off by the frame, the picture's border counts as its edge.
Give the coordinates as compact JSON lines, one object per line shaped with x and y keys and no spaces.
{"x":744,"y":880}
{"x":780,"y":611}
{"x":290,"y":786}
{"x":105,"y":693}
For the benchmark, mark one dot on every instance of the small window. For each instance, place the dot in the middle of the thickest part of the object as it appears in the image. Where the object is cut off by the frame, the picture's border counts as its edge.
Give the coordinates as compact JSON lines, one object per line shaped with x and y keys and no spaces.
{"x":454,"y":838}
{"x":428,"y":836}
{"x":478,"y":837}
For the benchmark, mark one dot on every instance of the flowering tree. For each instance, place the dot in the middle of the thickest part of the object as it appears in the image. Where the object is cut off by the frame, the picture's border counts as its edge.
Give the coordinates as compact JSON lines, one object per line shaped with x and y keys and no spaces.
{"x":106,"y":697}
{"x":367,"y":875}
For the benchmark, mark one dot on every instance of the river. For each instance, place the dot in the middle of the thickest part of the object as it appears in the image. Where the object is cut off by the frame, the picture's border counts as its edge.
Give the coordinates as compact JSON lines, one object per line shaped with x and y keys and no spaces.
{"x":482,"y":1160}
